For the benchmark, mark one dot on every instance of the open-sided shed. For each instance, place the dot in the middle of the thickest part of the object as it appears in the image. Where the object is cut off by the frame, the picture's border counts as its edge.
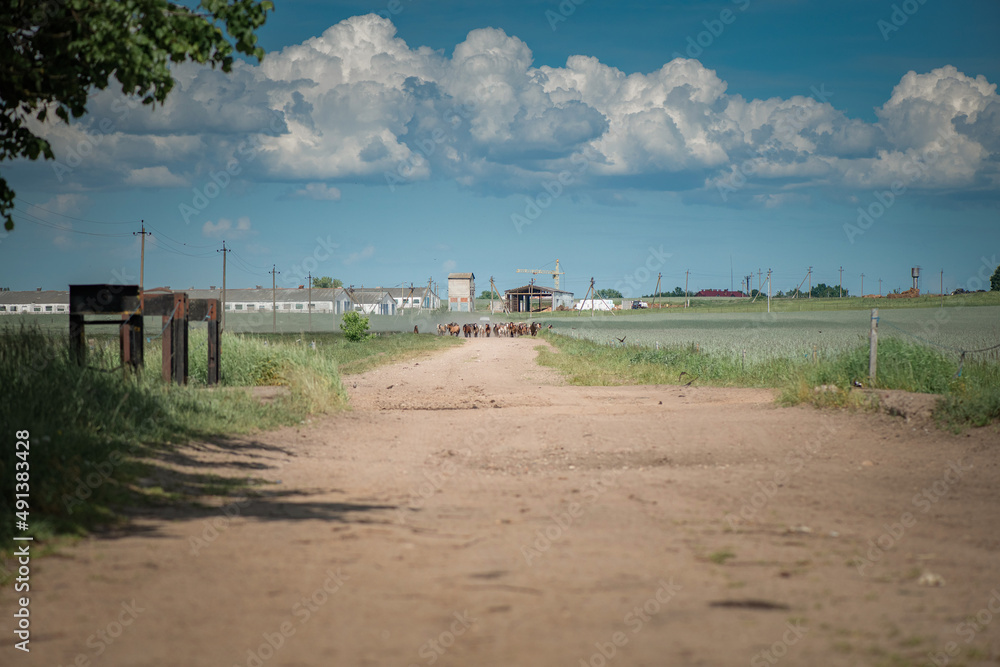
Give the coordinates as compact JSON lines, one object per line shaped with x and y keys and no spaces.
{"x":537,"y":297}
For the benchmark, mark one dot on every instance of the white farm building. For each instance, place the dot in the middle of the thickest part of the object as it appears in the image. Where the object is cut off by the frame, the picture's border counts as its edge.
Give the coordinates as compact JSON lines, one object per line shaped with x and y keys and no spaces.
{"x":40,"y":301}
{"x":335,"y":300}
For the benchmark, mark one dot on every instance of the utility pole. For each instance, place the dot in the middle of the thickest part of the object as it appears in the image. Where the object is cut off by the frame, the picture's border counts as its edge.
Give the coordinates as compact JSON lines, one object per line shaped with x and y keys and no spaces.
{"x":880,"y":287}
{"x":657,"y":291}
{"x":274,"y":300}
{"x":759,"y":279}
{"x":592,"y":297}
{"x":687,"y":301}
{"x":798,"y":290}
{"x":310,"y":304}
{"x":862,"y":285}
{"x":810,"y":282}
{"x":142,"y":259}
{"x":769,"y":290}
{"x":224,"y":252}
{"x":841,"y":288}
{"x":942,"y":287}
{"x":531,"y":294}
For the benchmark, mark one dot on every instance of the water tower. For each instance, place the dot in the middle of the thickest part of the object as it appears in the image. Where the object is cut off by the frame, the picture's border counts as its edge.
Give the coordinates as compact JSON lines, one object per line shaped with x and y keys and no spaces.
{"x":915,"y":273}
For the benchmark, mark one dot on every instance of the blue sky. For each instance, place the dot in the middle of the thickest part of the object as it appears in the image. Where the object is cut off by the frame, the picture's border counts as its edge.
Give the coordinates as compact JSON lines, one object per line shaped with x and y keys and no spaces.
{"x":393,"y":142}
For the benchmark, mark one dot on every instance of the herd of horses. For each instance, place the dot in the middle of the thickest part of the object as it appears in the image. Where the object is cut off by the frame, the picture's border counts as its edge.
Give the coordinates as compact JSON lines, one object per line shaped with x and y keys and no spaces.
{"x":500,"y":330}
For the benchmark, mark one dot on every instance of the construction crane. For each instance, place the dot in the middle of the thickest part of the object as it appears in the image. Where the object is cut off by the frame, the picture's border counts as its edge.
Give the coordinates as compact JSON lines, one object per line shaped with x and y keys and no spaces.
{"x":555,"y":274}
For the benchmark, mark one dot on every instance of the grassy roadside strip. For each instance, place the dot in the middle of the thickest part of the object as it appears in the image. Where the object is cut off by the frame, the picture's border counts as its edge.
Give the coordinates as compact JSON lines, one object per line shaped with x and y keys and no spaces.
{"x":95,"y":430}
{"x":972,"y":399}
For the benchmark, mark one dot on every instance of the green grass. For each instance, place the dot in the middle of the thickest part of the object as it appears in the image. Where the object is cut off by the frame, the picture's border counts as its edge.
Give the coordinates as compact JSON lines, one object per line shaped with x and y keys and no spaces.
{"x":589,"y":363}
{"x":96,"y":429}
{"x":789,"y":335}
{"x":971,"y":398}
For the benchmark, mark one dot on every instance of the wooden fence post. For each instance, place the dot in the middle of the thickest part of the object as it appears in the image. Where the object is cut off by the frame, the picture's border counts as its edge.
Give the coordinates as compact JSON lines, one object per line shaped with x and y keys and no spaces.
{"x":873,"y":347}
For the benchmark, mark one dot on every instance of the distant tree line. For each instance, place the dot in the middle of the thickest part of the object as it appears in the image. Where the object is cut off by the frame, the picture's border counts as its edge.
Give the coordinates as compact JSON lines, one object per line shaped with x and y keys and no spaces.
{"x":327,"y":281}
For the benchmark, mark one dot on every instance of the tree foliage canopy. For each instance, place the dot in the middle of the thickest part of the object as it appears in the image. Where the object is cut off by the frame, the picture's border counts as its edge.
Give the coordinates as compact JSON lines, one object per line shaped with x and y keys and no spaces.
{"x":995,"y":281}
{"x":327,"y":281}
{"x":55,"y":53}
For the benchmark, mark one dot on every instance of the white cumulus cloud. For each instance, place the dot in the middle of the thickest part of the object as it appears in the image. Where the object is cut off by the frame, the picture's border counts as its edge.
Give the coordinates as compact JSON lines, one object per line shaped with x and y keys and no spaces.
{"x":318,"y":191}
{"x":365,"y":253}
{"x":227,"y":228}
{"x":358,"y":104}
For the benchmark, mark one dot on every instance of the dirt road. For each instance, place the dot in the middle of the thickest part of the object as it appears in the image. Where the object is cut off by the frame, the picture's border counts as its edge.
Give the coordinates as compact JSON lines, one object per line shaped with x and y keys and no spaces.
{"x":473,"y":509}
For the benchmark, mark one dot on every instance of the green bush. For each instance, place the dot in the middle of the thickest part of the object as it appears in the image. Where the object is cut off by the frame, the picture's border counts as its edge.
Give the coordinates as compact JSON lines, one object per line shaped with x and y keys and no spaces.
{"x":355,"y":327}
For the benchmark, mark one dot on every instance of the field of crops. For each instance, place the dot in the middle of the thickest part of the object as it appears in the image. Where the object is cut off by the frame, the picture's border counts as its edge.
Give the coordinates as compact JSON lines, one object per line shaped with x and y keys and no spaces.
{"x":759,"y":335}
{"x":790,"y":335}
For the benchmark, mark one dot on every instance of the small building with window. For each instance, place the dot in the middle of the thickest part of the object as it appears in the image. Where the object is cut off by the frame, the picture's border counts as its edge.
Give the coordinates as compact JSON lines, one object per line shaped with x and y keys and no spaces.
{"x":415,"y":296}
{"x":461,"y":292}
{"x":372,"y":301}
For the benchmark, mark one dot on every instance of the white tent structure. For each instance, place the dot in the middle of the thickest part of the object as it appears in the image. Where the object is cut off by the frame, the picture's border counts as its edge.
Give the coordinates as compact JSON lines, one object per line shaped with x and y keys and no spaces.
{"x":593,"y":304}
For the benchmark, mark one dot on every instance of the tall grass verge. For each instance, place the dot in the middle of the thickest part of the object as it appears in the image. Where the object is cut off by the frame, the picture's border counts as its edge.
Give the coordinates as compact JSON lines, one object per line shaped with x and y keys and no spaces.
{"x":970,"y":396}
{"x":589,"y":363}
{"x":90,"y":426}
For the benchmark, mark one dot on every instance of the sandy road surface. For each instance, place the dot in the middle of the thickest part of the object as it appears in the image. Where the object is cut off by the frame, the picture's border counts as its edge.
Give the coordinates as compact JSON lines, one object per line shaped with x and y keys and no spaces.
{"x":472,"y":509}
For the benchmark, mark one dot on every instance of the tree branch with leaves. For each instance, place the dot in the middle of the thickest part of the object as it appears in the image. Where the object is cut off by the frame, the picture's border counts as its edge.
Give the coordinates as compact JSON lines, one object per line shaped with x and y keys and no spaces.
{"x":55,"y":53}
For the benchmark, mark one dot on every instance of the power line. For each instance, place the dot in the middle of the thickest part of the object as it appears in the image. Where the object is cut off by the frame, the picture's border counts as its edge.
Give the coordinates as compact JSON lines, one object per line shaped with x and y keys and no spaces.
{"x":27,"y":217}
{"x":248,"y":262}
{"x":70,"y":217}
{"x":173,"y":240}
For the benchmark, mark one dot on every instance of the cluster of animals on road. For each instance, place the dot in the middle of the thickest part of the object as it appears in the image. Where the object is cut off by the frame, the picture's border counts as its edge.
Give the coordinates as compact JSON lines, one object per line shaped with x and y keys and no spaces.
{"x":485,"y":330}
